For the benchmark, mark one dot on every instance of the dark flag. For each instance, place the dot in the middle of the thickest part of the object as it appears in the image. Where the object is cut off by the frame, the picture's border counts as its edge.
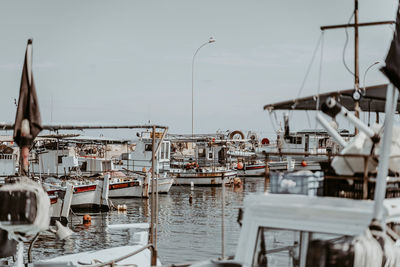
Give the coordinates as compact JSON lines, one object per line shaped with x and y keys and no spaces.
{"x":392,"y":68}
{"x":28,"y":107}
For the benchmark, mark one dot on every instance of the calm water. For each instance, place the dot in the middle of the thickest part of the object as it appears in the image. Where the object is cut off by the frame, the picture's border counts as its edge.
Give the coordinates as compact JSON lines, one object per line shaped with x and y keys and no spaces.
{"x":187,"y":232}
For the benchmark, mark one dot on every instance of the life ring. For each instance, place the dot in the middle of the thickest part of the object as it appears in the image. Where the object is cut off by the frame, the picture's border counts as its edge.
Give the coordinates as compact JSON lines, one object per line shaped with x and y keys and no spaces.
{"x":265,"y":141}
{"x":232,"y":134}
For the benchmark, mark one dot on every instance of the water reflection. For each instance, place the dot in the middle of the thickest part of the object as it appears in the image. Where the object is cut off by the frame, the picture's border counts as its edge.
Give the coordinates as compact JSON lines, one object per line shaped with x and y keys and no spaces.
{"x":187,"y":231}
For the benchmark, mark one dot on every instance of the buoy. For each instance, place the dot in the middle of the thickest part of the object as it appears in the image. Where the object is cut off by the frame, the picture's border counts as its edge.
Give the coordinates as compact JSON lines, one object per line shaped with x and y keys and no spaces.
{"x":237,"y":181}
{"x":122,"y":207}
{"x":239,"y":166}
{"x":87,"y":219}
{"x":304,"y":163}
{"x":190,"y":198}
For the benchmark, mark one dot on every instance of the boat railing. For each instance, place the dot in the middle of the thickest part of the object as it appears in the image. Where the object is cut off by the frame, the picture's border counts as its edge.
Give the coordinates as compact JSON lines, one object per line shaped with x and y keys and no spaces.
{"x":362,"y":180}
{"x":113,"y":262}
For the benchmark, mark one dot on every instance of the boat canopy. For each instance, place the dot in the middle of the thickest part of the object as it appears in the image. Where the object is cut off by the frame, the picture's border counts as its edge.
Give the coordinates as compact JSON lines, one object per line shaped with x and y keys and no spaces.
{"x":373,"y":100}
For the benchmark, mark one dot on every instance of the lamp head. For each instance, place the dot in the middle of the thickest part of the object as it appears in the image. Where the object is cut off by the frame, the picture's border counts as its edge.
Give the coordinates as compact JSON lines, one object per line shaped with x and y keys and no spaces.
{"x":211,"y":40}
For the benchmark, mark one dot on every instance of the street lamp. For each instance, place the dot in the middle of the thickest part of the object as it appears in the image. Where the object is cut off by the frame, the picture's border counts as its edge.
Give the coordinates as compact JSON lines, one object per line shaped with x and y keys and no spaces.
{"x":211,"y":40}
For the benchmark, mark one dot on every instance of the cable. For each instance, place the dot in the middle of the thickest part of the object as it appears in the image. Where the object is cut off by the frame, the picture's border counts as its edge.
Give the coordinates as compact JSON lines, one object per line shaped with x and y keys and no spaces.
{"x":345,"y":46}
{"x":319,"y":78}
{"x":308,"y":69}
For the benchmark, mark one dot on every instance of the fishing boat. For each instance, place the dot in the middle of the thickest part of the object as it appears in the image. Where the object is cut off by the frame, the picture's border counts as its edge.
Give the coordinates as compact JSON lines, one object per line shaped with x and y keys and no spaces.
{"x":60,"y":200}
{"x":127,"y":187}
{"x":26,"y":205}
{"x":208,"y":166}
{"x":300,"y":230}
{"x":91,"y":195}
{"x":250,"y":168}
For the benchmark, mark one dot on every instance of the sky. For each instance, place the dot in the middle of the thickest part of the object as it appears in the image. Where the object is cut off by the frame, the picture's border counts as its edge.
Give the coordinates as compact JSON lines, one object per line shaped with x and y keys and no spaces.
{"x":130,"y":62}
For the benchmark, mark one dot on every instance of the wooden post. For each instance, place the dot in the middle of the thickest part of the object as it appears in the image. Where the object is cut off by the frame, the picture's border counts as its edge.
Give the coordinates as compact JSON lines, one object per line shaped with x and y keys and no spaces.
{"x":266,"y":175}
{"x":365,"y":178}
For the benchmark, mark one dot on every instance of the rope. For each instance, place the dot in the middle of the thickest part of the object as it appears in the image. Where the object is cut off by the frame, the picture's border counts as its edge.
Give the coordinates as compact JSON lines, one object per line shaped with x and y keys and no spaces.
{"x":320,"y":70}
{"x":308,"y":69}
{"x":345,"y":46}
{"x":376,"y":248}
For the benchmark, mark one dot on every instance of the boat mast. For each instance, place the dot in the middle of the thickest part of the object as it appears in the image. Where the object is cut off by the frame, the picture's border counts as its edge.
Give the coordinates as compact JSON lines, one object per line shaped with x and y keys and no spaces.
{"x":356,"y":63}
{"x":356,"y":25}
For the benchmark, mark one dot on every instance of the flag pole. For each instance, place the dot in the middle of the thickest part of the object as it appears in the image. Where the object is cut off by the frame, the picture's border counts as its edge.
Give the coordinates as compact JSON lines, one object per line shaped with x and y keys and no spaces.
{"x":25,"y":128}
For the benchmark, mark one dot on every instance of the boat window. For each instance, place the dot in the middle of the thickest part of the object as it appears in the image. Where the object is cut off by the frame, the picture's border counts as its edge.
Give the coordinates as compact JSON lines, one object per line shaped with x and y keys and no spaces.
{"x":60,"y":159}
{"x":163,"y":151}
{"x":276,"y":247}
{"x":202,"y":153}
{"x":295,"y":140}
{"x":148,"y":147}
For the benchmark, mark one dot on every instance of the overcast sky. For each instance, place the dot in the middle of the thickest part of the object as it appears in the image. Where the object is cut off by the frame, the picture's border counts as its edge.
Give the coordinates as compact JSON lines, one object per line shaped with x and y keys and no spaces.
{"x":131,"y":61}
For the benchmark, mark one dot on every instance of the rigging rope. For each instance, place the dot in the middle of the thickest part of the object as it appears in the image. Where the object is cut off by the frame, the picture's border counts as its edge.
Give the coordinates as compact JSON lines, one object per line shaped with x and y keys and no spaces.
{"x":307,"y":73}
{"x":309,"y":68}
{"x":319,"y":77}
{"x":345,"y":46}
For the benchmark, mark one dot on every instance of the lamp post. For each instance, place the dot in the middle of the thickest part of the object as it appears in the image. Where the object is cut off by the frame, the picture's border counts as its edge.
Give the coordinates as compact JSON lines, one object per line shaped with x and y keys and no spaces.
{"x":211,"y":40}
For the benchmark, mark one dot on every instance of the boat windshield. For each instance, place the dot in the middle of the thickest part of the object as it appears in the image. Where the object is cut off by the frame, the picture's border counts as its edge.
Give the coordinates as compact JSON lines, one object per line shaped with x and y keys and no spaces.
{"x":281,"y":247}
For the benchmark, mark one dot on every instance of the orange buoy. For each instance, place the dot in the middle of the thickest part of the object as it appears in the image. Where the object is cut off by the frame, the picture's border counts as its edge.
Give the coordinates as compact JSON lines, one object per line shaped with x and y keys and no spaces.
{"x":304,"y":163}
{"x":239,"y":166}
{"x":87,"y":219}
{"x":237,"y":181}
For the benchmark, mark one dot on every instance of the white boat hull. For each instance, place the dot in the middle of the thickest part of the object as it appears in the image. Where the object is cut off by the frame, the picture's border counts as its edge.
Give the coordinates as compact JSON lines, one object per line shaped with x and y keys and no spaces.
{"x":252,"y":171}
{"x":91,"y":197}
{"x":126,"y":189}
{"x":60,"y":207}
{"x":163,"y":185}
{"x":205,"y":178}
{"x":141,"y":259}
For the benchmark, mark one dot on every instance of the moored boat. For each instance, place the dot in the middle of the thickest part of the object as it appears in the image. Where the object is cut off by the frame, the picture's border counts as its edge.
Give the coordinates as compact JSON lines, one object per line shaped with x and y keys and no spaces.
{"x":91,"y":196}
{"x":204,"y":176}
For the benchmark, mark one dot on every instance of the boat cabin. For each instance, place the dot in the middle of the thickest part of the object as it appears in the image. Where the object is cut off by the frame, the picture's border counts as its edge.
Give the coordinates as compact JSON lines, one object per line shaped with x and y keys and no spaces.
{"x":315,"y":141}
{"x":141,"y":158}
{"x":8,"y":161}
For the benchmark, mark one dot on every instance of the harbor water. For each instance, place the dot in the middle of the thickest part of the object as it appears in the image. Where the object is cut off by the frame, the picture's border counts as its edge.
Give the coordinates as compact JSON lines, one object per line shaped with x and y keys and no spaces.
{"x":187,"y":232}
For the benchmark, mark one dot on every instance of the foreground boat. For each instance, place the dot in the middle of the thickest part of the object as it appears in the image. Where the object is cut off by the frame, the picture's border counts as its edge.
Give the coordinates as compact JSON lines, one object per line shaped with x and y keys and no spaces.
{"x":133,"y":255}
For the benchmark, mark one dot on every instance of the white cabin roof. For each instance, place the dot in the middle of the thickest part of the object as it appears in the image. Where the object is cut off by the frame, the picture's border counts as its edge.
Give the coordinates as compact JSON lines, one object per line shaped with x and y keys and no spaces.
{"x":316,"y":214}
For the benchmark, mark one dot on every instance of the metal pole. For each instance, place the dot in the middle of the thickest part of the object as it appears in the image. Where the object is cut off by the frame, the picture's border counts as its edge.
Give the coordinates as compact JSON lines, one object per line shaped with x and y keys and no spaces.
{"x":356,"y":74}
{"x":392,"y":95}
{"x":153,"y":203}
{"x":223,"y":218}
{"x":208,"y":42}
